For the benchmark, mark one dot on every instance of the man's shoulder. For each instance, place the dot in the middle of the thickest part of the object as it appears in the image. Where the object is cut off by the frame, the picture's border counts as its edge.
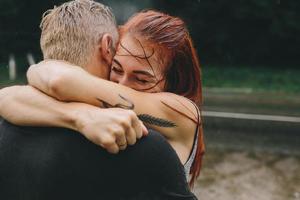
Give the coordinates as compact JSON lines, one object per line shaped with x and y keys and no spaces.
{"x":7,"y":126}
{"x":52,"y":137}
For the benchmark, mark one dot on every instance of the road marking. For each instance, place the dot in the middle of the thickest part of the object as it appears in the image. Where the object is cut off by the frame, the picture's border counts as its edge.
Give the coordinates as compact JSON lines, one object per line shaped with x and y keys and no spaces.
{"x":228,"y":90}
{"x":251,"y":116}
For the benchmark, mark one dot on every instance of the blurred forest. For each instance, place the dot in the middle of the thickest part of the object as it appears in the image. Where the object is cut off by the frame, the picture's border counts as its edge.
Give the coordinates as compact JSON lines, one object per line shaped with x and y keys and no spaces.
{"x":252,"y":32}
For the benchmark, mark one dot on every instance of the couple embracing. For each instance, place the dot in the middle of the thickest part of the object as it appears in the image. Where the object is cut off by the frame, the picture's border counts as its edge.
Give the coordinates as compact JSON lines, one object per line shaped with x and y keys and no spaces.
{"x":111,"y":113}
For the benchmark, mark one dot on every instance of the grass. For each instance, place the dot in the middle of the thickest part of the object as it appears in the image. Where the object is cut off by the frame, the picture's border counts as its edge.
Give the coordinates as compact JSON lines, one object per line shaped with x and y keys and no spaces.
{"x":256,"y":78}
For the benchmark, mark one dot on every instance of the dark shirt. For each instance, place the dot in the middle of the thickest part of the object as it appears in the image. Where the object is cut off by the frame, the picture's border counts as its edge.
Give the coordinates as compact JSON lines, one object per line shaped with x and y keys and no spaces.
{"x":53,"y":163}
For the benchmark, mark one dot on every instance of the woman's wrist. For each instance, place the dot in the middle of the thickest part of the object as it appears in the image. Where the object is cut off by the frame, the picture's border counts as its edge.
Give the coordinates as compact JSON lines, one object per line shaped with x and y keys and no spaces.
{"x":71,"y":116}
{"x":74,"y":115}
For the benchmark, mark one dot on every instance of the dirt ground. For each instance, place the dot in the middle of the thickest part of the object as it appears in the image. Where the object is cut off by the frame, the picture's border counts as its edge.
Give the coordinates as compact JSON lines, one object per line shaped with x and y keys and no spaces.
{"x":234,"y":175}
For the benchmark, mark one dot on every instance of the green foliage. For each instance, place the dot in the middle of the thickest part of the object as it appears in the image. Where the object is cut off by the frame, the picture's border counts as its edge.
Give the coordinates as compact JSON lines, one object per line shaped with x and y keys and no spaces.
{"x":284,"y":80}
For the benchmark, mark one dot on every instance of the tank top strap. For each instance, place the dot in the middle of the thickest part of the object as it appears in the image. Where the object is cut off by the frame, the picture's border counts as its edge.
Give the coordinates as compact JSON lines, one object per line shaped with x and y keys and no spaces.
{"x":188,"y":164}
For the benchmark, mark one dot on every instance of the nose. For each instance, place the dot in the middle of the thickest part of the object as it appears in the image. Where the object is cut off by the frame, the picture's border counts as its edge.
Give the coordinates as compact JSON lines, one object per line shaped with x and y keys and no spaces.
{"x":124,"y":81}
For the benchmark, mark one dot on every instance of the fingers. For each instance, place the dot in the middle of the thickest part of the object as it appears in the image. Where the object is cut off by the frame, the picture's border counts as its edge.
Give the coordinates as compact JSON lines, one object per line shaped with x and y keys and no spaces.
{"x":108,"y":142}
{"x":131,"y":136}
{"x":137,"y":126}
{"x":113,"y":129}
{"x":121,"y":140}
{"x":131,"y":130}
{"x":114,"y":149}
{"x":144,"y":129}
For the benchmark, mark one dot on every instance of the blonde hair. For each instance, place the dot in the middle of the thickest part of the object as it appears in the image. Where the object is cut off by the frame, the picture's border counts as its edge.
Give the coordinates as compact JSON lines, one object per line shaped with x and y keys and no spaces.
{"x":72,"y":30}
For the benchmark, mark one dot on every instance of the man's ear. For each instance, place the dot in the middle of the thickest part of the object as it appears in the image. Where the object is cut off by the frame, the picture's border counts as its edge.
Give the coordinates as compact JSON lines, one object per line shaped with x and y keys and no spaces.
{"x":107,"y":50}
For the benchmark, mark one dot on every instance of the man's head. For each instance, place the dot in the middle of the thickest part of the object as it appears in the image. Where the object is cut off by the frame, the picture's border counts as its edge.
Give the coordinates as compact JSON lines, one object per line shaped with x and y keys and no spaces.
{"x":82,"y":32}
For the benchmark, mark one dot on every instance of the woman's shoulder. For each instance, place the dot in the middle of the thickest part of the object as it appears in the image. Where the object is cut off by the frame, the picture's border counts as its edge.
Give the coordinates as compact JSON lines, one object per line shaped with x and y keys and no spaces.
{"x":183,"y":110}
{"x":180,"y":105}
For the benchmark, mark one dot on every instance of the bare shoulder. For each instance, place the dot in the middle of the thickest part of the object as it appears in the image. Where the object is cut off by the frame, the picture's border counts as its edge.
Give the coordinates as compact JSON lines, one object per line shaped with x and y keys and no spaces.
{"x":182,"y":111}
{"x":178,"y":105}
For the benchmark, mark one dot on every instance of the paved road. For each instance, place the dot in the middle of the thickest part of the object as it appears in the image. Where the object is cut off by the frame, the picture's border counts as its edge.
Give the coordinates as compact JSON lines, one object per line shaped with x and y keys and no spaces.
{"x":246,"y":175}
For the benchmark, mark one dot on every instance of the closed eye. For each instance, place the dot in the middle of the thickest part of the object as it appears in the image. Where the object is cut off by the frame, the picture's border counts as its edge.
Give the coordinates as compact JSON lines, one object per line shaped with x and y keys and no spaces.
{"x":142,"y":80}
{"x":117,"y":70}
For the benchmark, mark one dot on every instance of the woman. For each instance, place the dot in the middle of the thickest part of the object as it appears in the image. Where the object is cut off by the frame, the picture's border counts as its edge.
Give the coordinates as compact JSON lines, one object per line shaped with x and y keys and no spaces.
{"x":157,"y":62}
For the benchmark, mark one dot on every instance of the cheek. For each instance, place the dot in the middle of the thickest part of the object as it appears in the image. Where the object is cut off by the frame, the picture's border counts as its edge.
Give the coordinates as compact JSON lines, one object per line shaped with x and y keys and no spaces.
{"x":158,"y":88}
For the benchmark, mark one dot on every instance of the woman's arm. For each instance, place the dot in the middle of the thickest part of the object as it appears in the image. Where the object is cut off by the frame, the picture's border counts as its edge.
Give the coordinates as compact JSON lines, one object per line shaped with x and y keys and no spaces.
{"x":170,"y":114}
{"x":25,"y":105}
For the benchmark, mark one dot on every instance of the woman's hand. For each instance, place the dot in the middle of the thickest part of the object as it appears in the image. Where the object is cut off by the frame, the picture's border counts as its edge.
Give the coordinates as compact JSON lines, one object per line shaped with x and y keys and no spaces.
{"x":112,"y":129}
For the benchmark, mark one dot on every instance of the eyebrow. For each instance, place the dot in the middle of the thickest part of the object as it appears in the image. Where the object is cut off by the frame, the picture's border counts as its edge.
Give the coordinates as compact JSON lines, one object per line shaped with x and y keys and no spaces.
{"x":135,"y":71}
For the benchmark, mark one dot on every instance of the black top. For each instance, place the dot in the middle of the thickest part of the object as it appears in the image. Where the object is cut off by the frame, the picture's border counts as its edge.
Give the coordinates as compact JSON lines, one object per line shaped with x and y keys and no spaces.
{"x":54,"y":163}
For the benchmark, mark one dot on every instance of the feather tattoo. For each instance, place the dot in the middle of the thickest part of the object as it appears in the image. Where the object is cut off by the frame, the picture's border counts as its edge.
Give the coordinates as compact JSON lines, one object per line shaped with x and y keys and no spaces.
{"x":156,"y":121}
{"x":143,"y":117}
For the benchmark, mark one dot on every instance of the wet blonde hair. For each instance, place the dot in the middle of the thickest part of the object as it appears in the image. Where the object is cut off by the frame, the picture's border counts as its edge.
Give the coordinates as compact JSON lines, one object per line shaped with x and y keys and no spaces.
{"x":72,"y":30}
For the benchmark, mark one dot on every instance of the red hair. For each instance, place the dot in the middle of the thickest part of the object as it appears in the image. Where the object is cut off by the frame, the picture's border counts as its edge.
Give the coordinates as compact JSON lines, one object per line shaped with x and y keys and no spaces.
{"x":170,"y":36}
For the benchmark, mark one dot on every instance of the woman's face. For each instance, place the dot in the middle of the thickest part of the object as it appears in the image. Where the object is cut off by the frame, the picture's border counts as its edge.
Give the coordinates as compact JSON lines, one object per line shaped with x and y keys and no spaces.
{"x":137,"y":66}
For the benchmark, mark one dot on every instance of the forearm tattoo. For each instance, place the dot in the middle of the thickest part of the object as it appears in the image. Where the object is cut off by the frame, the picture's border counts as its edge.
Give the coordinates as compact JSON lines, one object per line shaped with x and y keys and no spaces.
{"x":148,"y":119}
{"x":129,"y":105}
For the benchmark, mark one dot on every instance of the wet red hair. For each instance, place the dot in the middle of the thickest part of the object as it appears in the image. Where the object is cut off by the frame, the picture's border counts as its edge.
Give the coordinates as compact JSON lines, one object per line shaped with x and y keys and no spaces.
{"x":170,"y":36}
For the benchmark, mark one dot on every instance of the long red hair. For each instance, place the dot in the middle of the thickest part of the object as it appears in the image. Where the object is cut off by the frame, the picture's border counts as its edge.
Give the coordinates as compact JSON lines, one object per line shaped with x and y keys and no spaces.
{"x":182,"y":72}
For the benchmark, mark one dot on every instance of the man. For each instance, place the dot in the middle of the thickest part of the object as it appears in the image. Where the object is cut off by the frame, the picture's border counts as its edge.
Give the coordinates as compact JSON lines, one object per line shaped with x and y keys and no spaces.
{"x":51,"y":163}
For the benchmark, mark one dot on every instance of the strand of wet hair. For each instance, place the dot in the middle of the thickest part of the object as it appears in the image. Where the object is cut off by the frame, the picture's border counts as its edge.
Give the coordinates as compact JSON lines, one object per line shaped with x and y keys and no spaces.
{"x":147,"y":58}
{"x":144,"y":57}
{"x":135,"y":56}
{"x":186,"y":107}
{"x":140,"y":57}
{"x":181,"y":113}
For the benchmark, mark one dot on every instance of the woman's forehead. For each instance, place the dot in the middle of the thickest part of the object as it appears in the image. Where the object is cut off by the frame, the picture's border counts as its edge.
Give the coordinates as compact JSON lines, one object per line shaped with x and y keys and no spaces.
{"x":131,"y":64}
{"x":134,"y":46}
{"x":133,"y":53}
